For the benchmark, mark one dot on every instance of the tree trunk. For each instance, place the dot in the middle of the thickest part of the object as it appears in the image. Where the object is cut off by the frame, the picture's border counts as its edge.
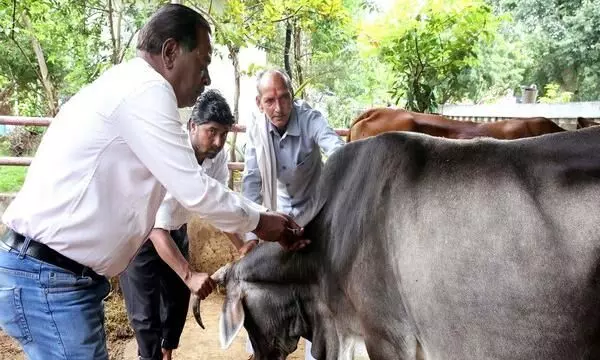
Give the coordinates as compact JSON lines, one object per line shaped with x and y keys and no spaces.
{"x":297,"y":56}
{"x":286,"y":49}
{"x":43,"y":74}
{"x":233,"y":55}
{"x":115,"y":9}
{"x":111,"y":27}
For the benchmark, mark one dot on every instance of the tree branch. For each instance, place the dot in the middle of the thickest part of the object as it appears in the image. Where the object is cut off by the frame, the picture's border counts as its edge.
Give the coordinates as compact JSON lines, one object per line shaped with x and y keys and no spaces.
{"x":288,"y":17}
{"x":286,"y":50}
{"x":112,"y":32}
{"x":35,"y":69}
{"x":124,"y":49}
{"x":98,"y":9}
{"x":46,"y":82}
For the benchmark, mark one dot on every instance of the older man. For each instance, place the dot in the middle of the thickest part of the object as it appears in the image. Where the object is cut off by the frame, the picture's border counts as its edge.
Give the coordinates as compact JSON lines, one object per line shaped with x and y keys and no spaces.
{"x":283,"y":154}
{"x":98,"y":178}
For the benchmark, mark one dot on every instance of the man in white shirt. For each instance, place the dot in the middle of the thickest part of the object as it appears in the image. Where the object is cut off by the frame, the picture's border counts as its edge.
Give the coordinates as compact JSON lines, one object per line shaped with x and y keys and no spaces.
{"x":156,"y":295}
{"x":93,"y":189}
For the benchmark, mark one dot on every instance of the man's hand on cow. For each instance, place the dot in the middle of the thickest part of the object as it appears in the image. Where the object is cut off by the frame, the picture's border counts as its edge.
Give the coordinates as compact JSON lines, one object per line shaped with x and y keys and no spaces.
{"x":200,"y":284}
{"x":278,"y":227}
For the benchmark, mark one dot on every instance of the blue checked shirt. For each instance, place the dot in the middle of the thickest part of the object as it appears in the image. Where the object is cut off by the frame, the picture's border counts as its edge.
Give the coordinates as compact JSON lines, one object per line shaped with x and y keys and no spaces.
{"x":299,"y":162}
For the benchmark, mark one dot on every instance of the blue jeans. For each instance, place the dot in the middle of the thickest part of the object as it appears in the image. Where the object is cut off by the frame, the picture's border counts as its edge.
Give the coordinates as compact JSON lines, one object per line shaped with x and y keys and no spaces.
{"x":51,"y":312}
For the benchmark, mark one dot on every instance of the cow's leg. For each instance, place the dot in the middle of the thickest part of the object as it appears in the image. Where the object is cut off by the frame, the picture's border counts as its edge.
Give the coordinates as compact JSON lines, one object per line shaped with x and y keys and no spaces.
{"x":346,"y":347}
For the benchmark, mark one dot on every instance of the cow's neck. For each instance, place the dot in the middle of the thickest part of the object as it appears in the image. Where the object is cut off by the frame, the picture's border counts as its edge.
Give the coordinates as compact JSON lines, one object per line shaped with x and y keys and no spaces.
{"x":269,"y":263}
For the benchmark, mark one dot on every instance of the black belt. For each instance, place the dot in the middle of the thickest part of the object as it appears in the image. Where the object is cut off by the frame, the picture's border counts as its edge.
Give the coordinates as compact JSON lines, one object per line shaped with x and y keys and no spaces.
{"x":44,"y":253}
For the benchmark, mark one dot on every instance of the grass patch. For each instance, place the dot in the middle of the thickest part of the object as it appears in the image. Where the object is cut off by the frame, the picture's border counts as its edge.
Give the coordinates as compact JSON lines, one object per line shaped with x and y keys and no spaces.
{"x":12,"y":178}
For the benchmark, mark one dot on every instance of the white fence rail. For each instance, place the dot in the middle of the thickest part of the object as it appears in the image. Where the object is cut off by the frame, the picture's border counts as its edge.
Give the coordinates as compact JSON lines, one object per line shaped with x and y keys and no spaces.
{"x":565,"y":115}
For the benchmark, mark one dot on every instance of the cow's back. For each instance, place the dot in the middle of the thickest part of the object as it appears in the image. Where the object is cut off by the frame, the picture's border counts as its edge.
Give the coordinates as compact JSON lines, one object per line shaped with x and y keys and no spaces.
{"x":519,"y":128}
{"x":481,"y":249}
{"x":379,"y":120}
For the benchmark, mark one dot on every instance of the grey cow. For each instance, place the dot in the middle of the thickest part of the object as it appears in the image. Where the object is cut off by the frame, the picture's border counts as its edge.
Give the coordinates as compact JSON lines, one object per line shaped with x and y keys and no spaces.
{"x":477,"y":249}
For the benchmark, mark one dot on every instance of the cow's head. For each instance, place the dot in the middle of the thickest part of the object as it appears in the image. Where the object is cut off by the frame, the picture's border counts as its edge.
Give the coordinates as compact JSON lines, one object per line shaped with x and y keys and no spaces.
{"x":269,"y":292}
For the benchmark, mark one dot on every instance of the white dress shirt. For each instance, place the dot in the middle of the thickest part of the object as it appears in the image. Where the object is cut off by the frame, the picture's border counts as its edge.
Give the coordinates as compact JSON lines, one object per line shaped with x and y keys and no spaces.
{"x":171,"y":214}
{"x":99,"y":176}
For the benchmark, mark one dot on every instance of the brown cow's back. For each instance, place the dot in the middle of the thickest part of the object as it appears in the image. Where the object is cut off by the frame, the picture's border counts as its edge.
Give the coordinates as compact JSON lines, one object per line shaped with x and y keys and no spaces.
{"x":379,"y":120}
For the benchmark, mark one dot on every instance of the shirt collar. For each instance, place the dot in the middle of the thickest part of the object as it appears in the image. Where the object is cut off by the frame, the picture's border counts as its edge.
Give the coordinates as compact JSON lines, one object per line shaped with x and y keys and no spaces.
{"x":207,"y":163}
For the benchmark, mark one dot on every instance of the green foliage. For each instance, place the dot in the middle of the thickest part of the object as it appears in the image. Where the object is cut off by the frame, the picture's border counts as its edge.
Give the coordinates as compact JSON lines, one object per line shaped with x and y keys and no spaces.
{"x":553,"y":95}
{"x":329,"y":58}
{"x":432,"y":51}
{"x":325,"y":33}
{"x":502,"y":64}
{"x":75,"y":40}
{"x":420,"y":52}
{"x":562,"y":38}
{"x":334,"y":63}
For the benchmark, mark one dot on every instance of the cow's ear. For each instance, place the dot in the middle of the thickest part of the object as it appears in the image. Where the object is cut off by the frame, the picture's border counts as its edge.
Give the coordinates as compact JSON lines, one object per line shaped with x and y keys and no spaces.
{"x":232,"y":318}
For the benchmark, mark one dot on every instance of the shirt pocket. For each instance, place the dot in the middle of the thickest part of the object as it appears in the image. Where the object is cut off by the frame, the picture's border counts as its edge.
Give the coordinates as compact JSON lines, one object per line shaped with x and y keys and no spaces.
{"x":304,"y":159}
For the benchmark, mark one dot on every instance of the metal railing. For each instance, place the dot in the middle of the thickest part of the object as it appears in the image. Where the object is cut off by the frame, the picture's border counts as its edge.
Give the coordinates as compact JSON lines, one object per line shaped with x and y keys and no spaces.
{"x":45,"y":121}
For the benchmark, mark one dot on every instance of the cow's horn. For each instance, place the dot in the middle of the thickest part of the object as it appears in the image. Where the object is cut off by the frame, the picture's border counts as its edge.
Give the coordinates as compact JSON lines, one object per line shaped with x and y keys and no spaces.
{"x":219,"y":278}
{"x":196,"y":311}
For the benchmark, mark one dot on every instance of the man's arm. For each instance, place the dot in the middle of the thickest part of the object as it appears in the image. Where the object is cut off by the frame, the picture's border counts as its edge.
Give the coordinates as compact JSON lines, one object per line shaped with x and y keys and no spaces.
{"x":199,"y":284}
{"x":222,"y":175}
{"x":324,"y":135}
{"x":148,"y":122}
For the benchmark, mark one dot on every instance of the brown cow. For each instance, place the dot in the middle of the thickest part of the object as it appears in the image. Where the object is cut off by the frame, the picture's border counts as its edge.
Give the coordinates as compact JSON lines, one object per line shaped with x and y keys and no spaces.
{"x":584,"y":123}
{"x":379,"y":120}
